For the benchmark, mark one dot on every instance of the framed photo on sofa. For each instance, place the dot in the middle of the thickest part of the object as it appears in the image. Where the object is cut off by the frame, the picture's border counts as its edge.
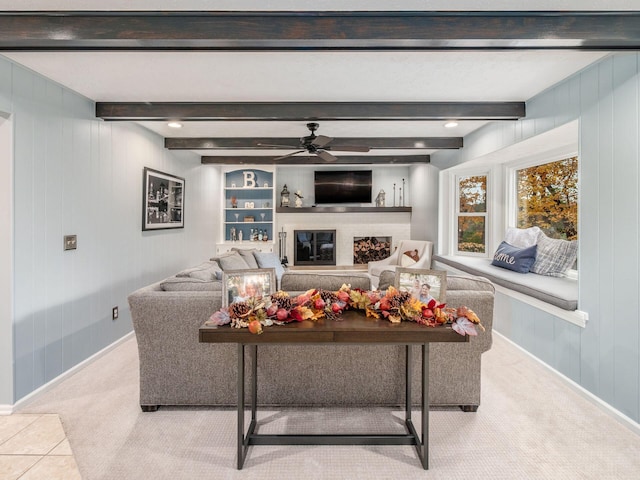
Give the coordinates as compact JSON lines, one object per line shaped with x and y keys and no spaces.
{"x":162,"y":200}
{"x":424,"y":285}
{"x":243,"y":285}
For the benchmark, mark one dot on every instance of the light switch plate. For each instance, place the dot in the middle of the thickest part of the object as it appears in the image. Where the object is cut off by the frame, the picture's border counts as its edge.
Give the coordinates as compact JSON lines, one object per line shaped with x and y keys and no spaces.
{"x":70,"y":242}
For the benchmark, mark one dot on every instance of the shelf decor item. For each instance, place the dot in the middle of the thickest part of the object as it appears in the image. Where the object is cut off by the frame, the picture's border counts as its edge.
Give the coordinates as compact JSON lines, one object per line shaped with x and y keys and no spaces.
{"x":249,"y":218}
{"x":162,"y":200}
{"x":284,"y":197}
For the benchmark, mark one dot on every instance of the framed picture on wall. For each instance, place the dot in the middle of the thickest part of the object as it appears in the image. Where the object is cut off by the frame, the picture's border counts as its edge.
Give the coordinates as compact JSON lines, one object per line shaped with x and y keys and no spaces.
{"x":424,"y":285}
{"x":162,"y":200}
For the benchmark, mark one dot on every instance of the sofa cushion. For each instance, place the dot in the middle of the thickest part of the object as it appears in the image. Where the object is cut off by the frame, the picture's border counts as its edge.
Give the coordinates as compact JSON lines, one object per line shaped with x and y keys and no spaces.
{"x":301,"y":282}
{"x":247,"y":256}
{"x":206,"y":271}
{"x":189,"y":284}
{"x":514,"y":258}
{"x":269,"y":260}
{"x":454,"y":282}
{"x":554,"y":256}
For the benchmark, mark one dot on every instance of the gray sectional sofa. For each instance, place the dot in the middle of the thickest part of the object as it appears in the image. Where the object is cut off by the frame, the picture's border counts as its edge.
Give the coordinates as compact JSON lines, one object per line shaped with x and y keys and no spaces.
{"x":175,"y":369}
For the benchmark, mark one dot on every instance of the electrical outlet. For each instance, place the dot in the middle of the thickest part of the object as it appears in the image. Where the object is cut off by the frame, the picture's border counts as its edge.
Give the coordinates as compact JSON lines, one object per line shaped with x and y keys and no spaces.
{"x":114,"y":313}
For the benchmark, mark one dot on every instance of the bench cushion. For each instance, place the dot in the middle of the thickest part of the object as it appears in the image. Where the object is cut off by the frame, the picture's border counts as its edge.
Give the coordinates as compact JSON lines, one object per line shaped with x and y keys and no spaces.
{"x":561,"y":292}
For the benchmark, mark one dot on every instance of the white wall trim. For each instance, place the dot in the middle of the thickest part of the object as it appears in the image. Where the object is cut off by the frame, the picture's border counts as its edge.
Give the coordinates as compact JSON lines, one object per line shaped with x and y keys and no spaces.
{"x":601,"y":404}
{"x":9,"y":409}
{"x":577,"y":317}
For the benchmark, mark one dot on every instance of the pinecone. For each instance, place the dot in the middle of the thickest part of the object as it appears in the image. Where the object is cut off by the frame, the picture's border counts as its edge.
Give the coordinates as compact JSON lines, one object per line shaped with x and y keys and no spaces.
{"x":328,"y":297}
{"x":283,"y":302}
{"x":238,"y":309}
{"x":399,"y":299}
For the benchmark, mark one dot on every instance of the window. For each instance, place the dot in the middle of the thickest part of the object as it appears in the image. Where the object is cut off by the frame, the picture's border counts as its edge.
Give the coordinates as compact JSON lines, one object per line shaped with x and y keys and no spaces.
{"x":547,"y":197}
{"x":472,"y":214}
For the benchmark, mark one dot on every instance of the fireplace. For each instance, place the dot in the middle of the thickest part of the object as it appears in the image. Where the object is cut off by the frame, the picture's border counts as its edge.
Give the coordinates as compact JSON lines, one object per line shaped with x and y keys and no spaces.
{"x":314,"y":247}
{"x":370,"y":249}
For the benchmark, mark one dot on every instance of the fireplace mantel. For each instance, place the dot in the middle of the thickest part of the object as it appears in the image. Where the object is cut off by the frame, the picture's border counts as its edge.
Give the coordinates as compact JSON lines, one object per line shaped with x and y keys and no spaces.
{"x":342,"y":209}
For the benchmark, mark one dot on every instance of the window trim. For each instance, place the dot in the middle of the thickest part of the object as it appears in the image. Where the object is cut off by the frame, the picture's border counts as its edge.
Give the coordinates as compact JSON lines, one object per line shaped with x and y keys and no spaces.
{"x":486,"y":214}
{"x":511,"y":170}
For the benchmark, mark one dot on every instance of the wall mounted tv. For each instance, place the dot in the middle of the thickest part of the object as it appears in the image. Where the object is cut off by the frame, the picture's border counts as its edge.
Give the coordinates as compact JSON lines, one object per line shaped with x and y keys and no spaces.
{"x":342,"y":186}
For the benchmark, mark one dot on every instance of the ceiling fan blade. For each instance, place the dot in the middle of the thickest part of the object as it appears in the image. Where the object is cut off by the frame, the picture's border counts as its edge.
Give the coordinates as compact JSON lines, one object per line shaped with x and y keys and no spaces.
{"x":348,"y":148}
{"x":321,"y":140}
{"x":289,"y":155}
{"x":326,"y":156}
{"x":277,"y":146}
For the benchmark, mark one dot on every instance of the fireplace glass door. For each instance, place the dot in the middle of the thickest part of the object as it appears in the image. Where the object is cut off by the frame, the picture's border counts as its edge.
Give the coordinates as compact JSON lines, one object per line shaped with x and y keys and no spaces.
{"x":315,"y":247}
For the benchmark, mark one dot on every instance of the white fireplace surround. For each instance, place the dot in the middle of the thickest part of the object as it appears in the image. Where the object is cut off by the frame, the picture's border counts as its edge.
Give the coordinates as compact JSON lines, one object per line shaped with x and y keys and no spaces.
{"x":347,"y":226}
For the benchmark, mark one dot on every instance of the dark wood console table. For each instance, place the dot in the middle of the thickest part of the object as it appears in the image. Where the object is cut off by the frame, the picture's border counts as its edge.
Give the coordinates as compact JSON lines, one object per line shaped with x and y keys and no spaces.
{"x":353,"y":328}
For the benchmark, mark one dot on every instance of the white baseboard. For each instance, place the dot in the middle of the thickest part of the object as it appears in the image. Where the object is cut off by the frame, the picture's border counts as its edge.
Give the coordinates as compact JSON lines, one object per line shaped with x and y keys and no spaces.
{"x":9,"y":409}
{"x":604,"y":406}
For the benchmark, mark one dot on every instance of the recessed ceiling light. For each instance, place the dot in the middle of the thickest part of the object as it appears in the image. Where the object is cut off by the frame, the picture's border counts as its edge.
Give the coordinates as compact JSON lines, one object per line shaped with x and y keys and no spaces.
{"x":450,"y":124}
{"x":174,"y":124}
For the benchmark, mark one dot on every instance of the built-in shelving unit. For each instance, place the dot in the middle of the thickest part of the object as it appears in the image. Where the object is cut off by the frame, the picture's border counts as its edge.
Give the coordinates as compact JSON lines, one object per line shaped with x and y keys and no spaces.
{"x":343,"y":209}
{"x":248,"y":206}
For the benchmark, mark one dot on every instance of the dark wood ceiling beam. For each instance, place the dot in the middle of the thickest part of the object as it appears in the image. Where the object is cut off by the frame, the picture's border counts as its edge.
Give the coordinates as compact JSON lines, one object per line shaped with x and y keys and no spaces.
{"x":64,"y":30}
{"x":313,"y":160}
{"x":401,"y":143}
{"x":316,"y":111}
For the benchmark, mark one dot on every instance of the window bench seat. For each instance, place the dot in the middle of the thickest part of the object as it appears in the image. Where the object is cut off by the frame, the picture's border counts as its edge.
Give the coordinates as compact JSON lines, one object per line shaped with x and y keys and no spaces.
{"x":560,"y":292}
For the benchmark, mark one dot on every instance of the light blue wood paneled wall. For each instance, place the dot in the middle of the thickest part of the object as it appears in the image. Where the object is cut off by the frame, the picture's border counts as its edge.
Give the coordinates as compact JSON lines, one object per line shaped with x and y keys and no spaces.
{"x":74,"y":174}
{"x":604,"y":357}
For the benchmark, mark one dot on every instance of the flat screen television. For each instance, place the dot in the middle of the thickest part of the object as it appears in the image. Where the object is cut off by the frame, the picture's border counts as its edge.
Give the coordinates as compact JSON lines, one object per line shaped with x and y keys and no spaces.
{"x":342,"y":186}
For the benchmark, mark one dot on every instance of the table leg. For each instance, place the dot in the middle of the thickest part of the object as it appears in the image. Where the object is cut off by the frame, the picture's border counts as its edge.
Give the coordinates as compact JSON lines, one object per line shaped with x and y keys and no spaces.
{"x":254,"y":384}
{"x":425,"y":406}
{"x":408,"y":379}
{"x":240,"y":406}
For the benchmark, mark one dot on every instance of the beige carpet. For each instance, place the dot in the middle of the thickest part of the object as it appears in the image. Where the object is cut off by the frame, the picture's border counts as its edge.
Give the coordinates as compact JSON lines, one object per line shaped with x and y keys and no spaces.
{"x":529,"y":426}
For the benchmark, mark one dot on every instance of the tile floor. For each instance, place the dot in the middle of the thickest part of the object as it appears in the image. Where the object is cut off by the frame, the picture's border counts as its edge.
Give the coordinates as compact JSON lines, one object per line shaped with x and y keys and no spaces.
{"x":35,"y":447}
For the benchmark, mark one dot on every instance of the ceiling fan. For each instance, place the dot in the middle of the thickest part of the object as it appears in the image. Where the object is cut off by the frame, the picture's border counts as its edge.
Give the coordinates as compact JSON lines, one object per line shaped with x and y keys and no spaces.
{"x":317,"y":145}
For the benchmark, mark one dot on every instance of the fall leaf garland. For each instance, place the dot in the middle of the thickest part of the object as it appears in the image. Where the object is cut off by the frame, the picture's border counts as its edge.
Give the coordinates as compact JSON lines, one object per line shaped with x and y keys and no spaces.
{"x":393,"y":305}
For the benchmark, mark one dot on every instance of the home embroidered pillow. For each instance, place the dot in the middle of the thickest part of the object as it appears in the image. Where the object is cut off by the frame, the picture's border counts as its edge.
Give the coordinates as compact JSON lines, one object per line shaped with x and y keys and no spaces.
{"x":522,"y":237}
{"x":554,"y":256}
{"x":514,"y":258}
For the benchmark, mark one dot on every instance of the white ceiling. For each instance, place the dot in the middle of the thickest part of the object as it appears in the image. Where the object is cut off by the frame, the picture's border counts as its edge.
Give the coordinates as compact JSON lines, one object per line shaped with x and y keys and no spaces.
{"x":313,"y":76}
{"x":459,"y":76}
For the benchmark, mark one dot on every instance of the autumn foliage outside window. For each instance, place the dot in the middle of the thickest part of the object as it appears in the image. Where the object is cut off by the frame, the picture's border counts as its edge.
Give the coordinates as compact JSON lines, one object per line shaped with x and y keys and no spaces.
{"x":472,"y":213}
{"x":548,"y":198}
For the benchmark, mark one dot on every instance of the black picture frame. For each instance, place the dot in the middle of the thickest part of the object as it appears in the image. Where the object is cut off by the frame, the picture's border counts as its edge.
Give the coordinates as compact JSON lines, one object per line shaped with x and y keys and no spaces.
{"x":162,"y":200}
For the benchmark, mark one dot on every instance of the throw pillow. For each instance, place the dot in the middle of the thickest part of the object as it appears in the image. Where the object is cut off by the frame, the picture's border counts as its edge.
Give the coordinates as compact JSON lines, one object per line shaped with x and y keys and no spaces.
{"x":269,"y":260}
{"x":522,"y":237}
{"x":247,"y":255}
{"x":233,"y":261}
{"x":408,"y":258}
{"x":514,"y":258}
{"x":555,"y":256}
